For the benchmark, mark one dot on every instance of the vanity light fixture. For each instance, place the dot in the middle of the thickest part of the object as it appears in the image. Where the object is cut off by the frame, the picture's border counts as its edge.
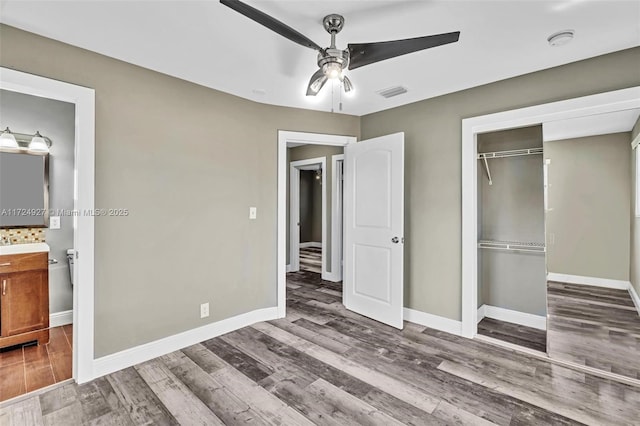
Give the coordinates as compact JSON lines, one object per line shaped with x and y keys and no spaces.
{"x":8,"y":140}
{"x":23,"y":141}
{"x":38,"y":144}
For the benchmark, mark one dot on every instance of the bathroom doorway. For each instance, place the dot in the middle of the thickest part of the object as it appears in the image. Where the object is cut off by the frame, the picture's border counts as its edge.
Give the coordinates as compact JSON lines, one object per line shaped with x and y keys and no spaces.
{"x":71,"y":319}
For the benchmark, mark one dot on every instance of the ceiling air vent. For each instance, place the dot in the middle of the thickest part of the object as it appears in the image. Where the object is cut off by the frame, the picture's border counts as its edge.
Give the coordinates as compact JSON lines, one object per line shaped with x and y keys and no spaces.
{"x":392,"y":91}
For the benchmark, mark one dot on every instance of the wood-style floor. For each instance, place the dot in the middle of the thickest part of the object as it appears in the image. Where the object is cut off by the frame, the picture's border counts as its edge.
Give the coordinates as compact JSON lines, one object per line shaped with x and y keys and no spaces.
{"x":311,"y":259}
{"x":328,"y":366}
{"x":594,"y":326}
{"x":517,"y":334}
{"x":29,"y":368}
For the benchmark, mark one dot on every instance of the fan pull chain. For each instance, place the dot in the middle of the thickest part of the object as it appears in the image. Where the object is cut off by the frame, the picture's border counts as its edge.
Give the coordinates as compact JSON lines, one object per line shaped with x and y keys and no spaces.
{"x":333,"y":90}
{"x":340,"y":88}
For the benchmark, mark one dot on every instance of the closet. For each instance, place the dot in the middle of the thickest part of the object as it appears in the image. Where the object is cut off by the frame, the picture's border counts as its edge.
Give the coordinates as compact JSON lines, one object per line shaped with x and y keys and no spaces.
{"x":511,"y":237}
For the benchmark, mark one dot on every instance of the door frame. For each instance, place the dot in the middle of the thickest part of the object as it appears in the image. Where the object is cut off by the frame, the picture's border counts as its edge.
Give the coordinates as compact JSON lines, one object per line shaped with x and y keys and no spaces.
{"x":617,"y":100}
{"x":301,"y":138}
{"x":337,"y":206}
{"x":84,"y":188}
{"x":294,"y":213}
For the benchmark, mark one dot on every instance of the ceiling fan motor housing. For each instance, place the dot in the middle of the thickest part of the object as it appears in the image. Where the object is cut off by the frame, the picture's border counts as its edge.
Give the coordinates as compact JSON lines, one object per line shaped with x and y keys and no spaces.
{"x":333,"y":58}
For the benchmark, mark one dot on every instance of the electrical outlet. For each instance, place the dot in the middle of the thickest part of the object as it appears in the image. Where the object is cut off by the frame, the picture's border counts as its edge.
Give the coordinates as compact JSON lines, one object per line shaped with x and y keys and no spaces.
{"x":54,"y":222}
{"x":253,"y":212}
{"x":204,"y":310}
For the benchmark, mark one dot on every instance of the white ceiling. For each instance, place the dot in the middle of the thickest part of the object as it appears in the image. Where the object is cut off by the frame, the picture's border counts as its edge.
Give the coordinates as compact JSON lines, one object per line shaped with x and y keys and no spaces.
{"x":210,"y":44}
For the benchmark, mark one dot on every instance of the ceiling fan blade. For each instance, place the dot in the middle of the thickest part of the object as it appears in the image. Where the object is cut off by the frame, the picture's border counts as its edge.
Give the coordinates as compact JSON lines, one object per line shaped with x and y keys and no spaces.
{"x":317,"y":81}
{"x":368,"y":53}
{"x":271,"y":23}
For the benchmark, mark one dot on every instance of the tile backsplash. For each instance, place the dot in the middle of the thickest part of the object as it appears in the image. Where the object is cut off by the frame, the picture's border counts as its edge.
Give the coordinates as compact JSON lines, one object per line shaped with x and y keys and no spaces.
{"x":24,"y":235}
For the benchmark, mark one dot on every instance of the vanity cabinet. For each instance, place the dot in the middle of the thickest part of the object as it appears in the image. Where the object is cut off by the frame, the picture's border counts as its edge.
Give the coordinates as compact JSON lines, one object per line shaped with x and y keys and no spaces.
{"x":24,"y":299}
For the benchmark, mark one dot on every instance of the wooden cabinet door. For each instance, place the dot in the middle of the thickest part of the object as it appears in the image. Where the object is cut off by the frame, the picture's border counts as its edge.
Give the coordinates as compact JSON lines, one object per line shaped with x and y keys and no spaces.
{"x":25,"y":302}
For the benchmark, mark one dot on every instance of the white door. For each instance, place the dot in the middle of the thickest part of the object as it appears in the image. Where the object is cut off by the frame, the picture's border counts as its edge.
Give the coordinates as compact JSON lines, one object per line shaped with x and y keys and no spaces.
{"x":374,"y":228}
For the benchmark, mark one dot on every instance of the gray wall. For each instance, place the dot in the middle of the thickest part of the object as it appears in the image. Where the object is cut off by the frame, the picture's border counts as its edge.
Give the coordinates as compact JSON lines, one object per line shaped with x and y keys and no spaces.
{"x":588,"y":214}
{"x":634,"y":272}
{"x":306,"y":152}
{"x":56,"y":120}
{"x":310,"y":207}
{"x":188,"y":162}
{"x":433,"y":160}
{"x":512,"y":209}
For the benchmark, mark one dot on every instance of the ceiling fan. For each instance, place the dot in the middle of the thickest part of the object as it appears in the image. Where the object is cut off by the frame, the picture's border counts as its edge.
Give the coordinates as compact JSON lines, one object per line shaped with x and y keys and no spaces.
{"x":331,"y":60}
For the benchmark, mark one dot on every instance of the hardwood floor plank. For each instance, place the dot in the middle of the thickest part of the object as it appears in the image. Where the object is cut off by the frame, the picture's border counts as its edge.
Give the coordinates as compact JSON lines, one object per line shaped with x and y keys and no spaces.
{"x":401,"y":390}
{"x":356,"y":409}
{"x":224,"y":404}
{"x":584,"y":415}
{"x":24,"y":413}
{"x":306,"y":334}
{"x":243,"y":362}
{"x":272,"y":409}
{"x":204,"y":358}
{"x":140,"y":402}
{"x":453,"y":415}
{"x":181,"y":403}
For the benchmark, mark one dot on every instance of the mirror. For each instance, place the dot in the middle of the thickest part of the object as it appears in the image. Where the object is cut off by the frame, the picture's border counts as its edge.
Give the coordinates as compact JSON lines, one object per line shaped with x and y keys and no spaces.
{"x":592,"y":317}
{"x":24,"y":190}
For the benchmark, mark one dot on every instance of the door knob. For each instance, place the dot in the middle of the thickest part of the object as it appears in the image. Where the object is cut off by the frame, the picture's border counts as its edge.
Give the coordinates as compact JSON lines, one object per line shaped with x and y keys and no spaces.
{"x":395,"y":240}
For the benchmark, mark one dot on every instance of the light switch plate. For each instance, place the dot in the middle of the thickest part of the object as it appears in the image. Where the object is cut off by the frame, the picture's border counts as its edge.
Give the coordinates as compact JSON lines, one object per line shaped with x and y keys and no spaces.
{"x":253,"y":212}
{"x":54,"y":222}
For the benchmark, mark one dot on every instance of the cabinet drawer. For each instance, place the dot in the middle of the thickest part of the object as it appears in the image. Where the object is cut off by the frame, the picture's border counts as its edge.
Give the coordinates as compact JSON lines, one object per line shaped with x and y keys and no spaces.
{"x":23,"y":262}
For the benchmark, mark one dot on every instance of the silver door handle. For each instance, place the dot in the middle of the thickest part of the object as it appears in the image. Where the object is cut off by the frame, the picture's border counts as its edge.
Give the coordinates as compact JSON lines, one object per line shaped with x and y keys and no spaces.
{"x":4,"y":287}
{"x":395,"y":240}
{"x":5,"y":264}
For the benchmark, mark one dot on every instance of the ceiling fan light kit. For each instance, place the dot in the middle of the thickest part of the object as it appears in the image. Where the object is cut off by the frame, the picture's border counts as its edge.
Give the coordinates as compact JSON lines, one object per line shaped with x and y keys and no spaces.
{"x":332,"y":61}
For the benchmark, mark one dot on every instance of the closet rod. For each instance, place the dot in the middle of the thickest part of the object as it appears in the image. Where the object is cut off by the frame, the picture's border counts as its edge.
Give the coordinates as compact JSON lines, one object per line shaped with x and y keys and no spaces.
{"x":512,"y":246}
{"x":511,"y":153}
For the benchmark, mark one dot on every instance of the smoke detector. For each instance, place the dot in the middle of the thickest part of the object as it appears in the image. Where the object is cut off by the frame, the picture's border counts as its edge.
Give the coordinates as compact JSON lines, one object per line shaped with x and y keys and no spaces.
{"x":560,"y":38}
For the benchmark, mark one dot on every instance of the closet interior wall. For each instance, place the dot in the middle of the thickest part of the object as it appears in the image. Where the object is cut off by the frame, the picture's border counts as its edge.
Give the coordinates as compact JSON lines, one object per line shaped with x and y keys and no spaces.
{"x":512,"y":209}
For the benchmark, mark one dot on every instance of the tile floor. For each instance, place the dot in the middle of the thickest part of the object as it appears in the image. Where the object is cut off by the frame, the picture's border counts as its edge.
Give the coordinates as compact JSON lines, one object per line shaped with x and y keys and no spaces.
{"x":28,"y":368}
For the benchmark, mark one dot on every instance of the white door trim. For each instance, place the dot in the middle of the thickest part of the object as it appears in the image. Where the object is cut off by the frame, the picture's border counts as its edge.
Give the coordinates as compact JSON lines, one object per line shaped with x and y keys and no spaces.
{"x":84,"y":186}
{"x":294,"y":212}
{"x":577,"y":107}
{"x":337,"y":165}
{"x":285,"y":137}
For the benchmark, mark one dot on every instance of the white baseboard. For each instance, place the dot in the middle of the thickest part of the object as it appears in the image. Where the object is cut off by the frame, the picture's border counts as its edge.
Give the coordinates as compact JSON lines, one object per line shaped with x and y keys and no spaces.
{"x":129,"y":357}
{"x":311,"y":244}
{"x":330,"y":276}
{"x":60,"y":318}
{"x":598,"y":282}
{"x":515,"y":317}
{"x":433,"y":321}
{"x":635,"y":297}
{"x":288,"y":268}
{"x":482,"y":312}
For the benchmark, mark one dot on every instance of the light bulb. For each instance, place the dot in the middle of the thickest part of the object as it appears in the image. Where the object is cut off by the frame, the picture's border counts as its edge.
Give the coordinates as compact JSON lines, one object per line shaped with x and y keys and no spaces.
{"x":7,"y":140}
{"x":333,"y":70}
{"x":38,"y":144}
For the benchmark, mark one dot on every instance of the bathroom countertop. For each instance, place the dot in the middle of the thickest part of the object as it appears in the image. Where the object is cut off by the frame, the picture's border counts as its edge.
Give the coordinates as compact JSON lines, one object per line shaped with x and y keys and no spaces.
{"x":24,"y":248}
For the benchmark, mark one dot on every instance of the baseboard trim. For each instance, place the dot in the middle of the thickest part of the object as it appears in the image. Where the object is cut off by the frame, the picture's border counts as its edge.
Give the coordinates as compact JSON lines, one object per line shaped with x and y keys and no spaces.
{"x":58,"y":319}
{"x":433,"y":321}
{"x":635,"y":297}
{"x":598,"y":282}
{"x":289,"y":268}
{"x":311,"y":244}
{"x":515,"y":317}
{"x":129,"y":357}
{"x":330,"y":276}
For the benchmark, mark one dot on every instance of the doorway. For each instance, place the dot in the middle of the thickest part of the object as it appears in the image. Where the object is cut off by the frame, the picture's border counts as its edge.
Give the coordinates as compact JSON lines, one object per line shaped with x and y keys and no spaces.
{"x":83,"y":194}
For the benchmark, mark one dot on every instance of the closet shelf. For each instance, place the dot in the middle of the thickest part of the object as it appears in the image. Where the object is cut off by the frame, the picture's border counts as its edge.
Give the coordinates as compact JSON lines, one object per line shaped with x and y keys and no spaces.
{"x":484,"y":156}
{"x":511,"y":153}
{"x":512,"y":246}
